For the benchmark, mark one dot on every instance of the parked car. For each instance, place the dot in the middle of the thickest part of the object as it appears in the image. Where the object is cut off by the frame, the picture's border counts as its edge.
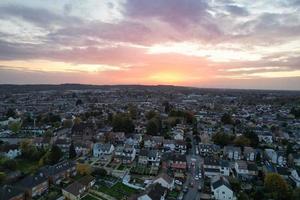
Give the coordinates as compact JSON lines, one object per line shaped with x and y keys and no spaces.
{"x":178,"y":182}
{"x":185,"y":189}
{"x":196,"y":177}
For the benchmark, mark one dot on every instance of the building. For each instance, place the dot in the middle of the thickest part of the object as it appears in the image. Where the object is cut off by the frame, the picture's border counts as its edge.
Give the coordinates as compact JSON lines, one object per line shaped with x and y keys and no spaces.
{"x":100,"y":150}
{"x":249,"y":154}
{"x":165,"y":181}
{"x":74,"y":191}
{"x":10,"y":151}
{"x":157,"y":192}
{"x":60,"y":171}
{"x":34,"y":185}
{"x":221,"y":189}
{"x":232,"y":153}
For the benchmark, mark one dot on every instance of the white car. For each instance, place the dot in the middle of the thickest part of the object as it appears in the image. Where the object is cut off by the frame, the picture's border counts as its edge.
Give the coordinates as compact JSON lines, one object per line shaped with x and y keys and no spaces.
{"x":178,"y":182}
{"x":200,"y":175}
{"x":196,"y":177}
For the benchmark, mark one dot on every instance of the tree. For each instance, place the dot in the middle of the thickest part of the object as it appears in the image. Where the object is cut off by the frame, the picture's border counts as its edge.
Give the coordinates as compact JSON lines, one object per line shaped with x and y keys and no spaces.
{"x":84,"y":169}
{"x":152,"y":127}
{"x":222,"y":139}
{"x":54,"y":155}
{"x":276,"y":186}
{"x":10,"y":164}
{"x":226,"y":119}
{"x":48,"y":133}
{"x":99,"y":172}
{"x":241,"y":141}
{"x":67,"y":123}
{"x":11,"y":113}
{"x":72,"y":151}
{"x":254,"y":140}
{"x":151,"y":114}
{"x":77,"y":120}
{"x":296,"y":194}
{"x":2,"y":177}
{"x":133,"y":111}
{"x":15,"y":126}
{"x":123,"y":122}
{"x":243,"y":196}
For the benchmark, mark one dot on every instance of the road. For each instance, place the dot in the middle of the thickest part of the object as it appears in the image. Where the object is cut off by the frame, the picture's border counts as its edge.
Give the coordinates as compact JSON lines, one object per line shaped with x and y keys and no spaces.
{"x":193,"y":192}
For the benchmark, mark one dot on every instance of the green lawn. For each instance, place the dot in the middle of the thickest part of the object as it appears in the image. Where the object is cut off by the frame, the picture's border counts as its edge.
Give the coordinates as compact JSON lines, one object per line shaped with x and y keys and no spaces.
{"x":118,"y":191}
{"x":88,"y":197}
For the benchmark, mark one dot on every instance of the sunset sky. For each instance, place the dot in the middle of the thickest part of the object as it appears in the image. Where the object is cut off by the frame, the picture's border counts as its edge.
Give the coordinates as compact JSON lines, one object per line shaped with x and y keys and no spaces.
{"x":212,"y":43}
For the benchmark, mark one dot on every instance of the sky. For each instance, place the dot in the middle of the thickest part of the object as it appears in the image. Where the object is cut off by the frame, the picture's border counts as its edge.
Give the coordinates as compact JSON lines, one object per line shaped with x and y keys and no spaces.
{"x":200,"y":43}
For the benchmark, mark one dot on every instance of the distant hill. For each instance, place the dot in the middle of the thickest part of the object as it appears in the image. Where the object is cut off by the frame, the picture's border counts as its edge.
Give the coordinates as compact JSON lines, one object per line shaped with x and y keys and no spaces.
{"x":10,"y":88}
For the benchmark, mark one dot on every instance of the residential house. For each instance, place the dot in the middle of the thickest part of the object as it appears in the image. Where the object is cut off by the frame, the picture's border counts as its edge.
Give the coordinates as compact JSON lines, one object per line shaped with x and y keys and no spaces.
{"x":10,"y":151}
{"x":180,"y":146}
{"x":178,"y":163}
{"x":83,"y":131}
{"x":265,"y":137}
{"x":295,"y":176}
{"x":211,"y":167}
{"x":63,"y":144}
{"x":34,"y":185}
{"x":245,"y":170}
{"x":221,"y":189}
{"x":224,"y":168}
{"x":125,"y":154}
{"x":157,"y":192}
{"x":41,"y":142}
{"x":164,"y":180}
{"x":60,"y":171}
{"x":100,"y":150}
{"x":74,"y":191}
{"x":208,"y":149}
{"x":249,"y":154}
{"x":169,"y":145}
{"x":232,"y":153}
{"x":88,"y":181}
{"x":8,"y":192}
{"x":275,"y":157}
{"x":149,"y":157}
{"x":83,"y":148}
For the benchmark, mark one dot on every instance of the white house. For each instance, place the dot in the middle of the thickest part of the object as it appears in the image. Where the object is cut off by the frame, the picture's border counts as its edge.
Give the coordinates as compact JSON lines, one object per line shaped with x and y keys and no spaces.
{"x":233,"y":153}
{"x":100,"y":150}
{"x":265,"y":137}
{"x":10,"y":151}
{"x":221,"y":189}
{"x":295,"y":176}
{"x":164,"y":180}
{"x":271,"y":155}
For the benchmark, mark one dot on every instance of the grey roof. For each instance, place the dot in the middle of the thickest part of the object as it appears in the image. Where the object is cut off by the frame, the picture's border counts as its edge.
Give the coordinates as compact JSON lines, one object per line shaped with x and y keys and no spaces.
{"x":75,"y":188}
{"x":57,"y":168}
{"x":33,"y":180}
{"x":221,"y":181}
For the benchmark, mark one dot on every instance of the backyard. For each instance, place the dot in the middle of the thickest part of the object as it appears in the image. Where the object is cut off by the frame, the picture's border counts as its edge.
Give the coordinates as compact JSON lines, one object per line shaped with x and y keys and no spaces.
{"x":117,"y":191}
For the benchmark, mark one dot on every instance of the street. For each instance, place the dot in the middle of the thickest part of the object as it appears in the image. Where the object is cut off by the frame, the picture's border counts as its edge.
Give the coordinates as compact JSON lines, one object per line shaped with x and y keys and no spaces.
{"x":193,"y":170}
